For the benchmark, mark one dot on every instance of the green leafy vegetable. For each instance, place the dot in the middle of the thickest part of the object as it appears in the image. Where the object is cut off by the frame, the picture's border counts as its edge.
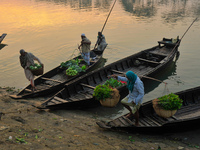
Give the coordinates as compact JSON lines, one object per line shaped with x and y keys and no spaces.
{"x":35,"y":66}
{"x":113,"y":83}
{"x":170,"y":102}
{"x":101,"y":92}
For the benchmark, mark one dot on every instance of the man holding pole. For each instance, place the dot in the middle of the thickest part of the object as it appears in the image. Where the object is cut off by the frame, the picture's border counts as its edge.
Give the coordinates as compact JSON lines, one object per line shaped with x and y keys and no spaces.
{"x":101,"y":41}
{"x":85,"y":48}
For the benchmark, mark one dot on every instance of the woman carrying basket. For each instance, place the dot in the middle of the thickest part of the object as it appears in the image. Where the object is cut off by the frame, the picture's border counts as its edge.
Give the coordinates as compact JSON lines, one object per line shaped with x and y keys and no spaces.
{"x":27,"y":60}
{"x":136,"y":94}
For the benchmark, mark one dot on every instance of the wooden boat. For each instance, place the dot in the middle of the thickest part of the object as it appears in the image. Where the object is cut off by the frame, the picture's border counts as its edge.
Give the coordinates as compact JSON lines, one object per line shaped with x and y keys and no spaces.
{"x":55,"y":79}
{"x":2,"y":37}
{"x":79,"y":92}
{"x":188,"y":117}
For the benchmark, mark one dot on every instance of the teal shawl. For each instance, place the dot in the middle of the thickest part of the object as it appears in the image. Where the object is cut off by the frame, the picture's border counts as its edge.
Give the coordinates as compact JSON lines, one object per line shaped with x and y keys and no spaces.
{"x":131,"y":80}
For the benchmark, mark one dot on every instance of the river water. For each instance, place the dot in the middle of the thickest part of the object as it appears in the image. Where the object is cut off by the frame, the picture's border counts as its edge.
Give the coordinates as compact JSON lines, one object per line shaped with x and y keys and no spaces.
{"x":51,"y":30}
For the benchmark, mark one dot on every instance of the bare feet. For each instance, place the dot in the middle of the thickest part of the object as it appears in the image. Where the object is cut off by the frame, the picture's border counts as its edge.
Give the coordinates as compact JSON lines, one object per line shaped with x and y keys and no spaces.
{"x":33,"y":89}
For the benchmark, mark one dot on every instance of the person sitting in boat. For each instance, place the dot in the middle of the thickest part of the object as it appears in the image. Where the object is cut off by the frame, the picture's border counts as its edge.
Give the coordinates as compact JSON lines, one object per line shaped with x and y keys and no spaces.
{"x":85,"y":48}
{"x":136,"y":94}
{"x":26,"y":60}
{"x":101,"y":41}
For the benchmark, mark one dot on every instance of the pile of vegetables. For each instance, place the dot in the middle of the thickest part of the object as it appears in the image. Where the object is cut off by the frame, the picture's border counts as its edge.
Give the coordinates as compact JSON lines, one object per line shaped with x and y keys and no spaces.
{"x":113,"y":83}
{"x":101,"y":92}
{"x":71,"y":72}
{"x":73,"y":67}
{"x":170,"y":102}
{"x":35,"y":67}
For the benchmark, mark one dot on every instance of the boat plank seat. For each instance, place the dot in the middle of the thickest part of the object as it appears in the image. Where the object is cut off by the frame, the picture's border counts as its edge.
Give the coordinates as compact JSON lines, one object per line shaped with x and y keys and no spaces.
{"x":86,"y":85}
{"x":28,"y":90}
{"x":59,"y":99}
{"x":50,"y":79}
{"x":50,"y":103}
{"x":72,"y":99}
{"x":144,"y":122}
{"x":149,"y":61}
{"x":103,"y":125}
{"x":157,"y":123}
{"x":159,"y":54}
{"x":158,"y":119}
{"x":127,"y":120}
{"x":117,"y":123}
{"x":55,"y":101}
{"x":85,"y":95}
{"x":166,"y":42}
{"x":116,"y":71}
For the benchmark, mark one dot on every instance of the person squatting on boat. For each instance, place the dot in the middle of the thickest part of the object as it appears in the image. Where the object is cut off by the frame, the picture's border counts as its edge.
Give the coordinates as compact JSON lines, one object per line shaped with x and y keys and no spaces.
{"x":101,"y":41}
{"x":26,"y":60}
{"x":136,"y":93}
{"x":85,"y":48}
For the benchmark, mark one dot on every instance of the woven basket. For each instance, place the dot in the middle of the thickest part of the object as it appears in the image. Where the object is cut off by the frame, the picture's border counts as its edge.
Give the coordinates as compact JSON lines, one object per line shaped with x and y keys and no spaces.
{"x":38,"y":72}
{"x":111,"y":102}
{"x":69,"y":77}
{"x":162,"y":112}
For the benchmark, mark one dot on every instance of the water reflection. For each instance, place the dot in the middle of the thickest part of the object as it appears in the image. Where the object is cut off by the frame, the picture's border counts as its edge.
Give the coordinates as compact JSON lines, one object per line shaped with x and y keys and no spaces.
{"x":178,"y":9}
{"x":167,"y":73}
{"x":140,"y":8}
{"x":82,"y":4}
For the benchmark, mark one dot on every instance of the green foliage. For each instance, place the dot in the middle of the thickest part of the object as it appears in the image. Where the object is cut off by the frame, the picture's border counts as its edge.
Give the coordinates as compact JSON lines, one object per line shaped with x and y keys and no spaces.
{"x":170,"y":102}
{"x":69,"y":63}
{"x":20,"y":140}
{"x":101,"y":92}
{"x":131,"y":139}
{"x":113,"y":83}
{"x":71,"y":72}
{"x":73,"y":67}
{"x":83,"y":67}
{"x":35,"y":66}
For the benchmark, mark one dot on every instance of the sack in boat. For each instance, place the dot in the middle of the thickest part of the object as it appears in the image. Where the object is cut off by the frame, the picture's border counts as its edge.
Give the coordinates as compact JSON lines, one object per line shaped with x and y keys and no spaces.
{"x":111,"y":102}
{"x":162,"y":112}
{"x":39,"y":71}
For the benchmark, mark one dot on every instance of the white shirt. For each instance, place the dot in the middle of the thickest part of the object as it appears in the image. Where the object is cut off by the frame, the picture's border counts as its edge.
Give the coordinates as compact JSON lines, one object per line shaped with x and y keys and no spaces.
{"x":137,"y":94}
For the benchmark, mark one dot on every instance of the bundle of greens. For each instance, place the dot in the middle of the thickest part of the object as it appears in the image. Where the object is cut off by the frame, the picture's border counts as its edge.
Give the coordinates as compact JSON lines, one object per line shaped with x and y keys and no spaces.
{"x":35,"y":66}
{"x":113,"y":83}
{"x":170,"y":102}
{"x":101,"y":92}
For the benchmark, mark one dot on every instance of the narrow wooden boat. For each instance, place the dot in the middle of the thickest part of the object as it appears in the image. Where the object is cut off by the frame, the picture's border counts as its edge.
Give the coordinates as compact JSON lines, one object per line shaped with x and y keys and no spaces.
{"x":2,"y":37}
{"x":55,"y":79}
{"x":188,"y":117}
{"x":79,"y":92}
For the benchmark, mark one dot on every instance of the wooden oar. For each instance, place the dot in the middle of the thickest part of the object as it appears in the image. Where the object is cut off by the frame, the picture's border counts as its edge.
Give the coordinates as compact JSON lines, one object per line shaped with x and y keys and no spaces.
{"x":182,"y":37}
{"x":139,"y":76}
{"x":105,"y":21}
{"x":152,"y":79}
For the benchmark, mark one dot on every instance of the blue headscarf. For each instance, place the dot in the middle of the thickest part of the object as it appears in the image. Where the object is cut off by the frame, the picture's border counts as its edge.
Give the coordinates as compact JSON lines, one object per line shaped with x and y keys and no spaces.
{"x":132,"y":78}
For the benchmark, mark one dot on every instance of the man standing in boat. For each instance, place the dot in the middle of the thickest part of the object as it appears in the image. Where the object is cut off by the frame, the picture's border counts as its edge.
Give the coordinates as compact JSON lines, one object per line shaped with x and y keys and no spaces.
{"x":101,"y":41}
{"x":26,"y":60}
{"x":136,"y":94}
{"x":85,"y":48}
